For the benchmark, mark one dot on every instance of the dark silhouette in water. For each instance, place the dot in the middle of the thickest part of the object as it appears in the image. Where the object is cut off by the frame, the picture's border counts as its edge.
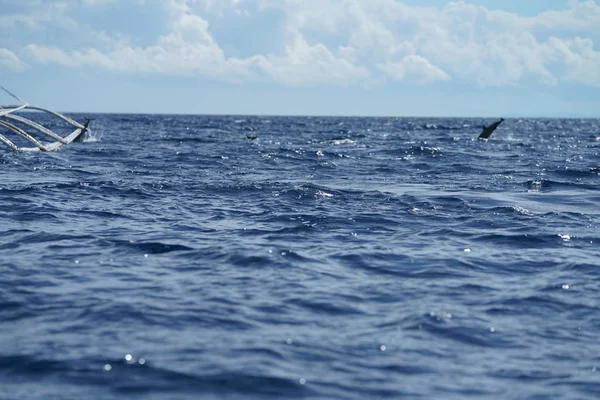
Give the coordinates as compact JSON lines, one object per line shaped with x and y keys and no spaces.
{"x":488,"y":130}
{"x":80,"y":137}
{"x":251,"y":137}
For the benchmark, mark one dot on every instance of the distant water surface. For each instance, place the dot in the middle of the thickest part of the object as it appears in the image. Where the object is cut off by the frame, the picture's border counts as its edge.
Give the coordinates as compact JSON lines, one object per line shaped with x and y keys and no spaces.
{"x":325,"y":258}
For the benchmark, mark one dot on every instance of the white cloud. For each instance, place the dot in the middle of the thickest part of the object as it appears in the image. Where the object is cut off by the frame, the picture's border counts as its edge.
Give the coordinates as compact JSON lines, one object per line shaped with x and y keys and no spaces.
{"x":459,"y":41}
{"x":303,"y":63}
{"x":188,"y":49}
{"x":9,"y":60}
{"x":223,"y":7}
{"x":362,"y":41}
{"x":581,"y":15}
{"x":96,"y":3}
{"x":416,"y":67}
{"x":581,"y":62}
{"x":37,"y":14}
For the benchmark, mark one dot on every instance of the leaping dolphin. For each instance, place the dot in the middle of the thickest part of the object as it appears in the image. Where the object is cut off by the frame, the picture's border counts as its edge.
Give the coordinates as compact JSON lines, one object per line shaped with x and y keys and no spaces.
{"x":488,"y":130}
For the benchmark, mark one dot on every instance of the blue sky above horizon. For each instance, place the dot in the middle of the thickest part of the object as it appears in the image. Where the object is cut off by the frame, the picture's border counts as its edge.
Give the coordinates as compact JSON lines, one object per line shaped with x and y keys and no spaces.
{"x":484,"y":58}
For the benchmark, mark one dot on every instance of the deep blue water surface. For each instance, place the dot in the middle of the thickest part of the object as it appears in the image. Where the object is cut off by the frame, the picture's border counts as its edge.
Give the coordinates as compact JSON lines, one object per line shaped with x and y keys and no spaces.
{"x":330,"y":258}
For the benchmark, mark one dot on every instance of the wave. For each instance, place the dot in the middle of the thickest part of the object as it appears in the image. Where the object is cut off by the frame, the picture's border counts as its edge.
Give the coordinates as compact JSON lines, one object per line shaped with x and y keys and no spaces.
{"x":139,"y":376}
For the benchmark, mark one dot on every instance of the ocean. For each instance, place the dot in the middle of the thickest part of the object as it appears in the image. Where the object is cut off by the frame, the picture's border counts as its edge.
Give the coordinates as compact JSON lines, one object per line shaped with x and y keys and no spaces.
{"x":253,"y":257}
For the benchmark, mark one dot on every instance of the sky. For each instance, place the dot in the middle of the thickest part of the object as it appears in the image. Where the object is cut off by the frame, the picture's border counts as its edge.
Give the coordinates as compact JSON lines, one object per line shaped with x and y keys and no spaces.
{"x":470,"y":58}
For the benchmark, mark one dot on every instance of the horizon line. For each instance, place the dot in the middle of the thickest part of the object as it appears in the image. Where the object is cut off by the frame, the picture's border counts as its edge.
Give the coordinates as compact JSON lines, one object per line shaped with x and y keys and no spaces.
{"x":328,"y":115}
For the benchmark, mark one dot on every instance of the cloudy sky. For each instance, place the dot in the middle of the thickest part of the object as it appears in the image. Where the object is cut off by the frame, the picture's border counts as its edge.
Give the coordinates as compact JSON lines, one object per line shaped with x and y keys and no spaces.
{"x":304,"y":57}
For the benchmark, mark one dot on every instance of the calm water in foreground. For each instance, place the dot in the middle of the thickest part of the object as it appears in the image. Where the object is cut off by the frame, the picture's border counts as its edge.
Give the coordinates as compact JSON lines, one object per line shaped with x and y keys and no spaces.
{"x":329,"y":258}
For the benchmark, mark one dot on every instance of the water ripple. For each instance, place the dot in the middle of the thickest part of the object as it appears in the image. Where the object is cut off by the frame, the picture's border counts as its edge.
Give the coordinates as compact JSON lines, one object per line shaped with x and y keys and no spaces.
{"x":303,"y":257}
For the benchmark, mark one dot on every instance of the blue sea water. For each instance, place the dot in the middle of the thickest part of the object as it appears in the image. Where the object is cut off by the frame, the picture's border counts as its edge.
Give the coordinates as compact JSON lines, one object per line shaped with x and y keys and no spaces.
{"x":328,"y":258}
